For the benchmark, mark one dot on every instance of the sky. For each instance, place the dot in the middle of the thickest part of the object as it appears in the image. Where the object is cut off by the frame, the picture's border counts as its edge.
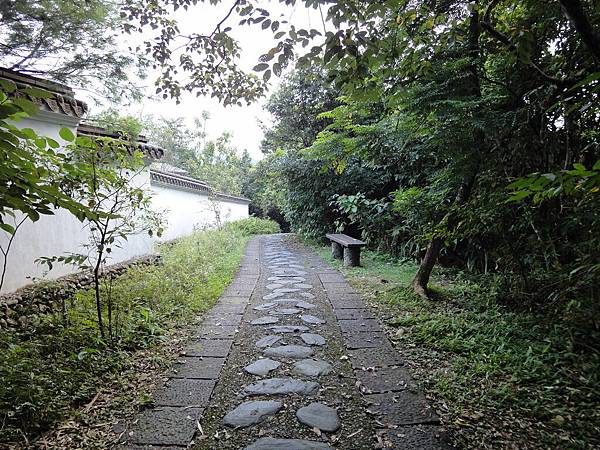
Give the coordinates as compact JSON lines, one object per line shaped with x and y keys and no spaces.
{"x":242,"y":122}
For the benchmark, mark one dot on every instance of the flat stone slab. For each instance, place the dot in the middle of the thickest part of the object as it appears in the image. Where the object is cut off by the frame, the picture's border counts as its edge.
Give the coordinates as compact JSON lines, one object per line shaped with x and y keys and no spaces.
{"x":402,"y":408}
{"x":207,"y":368}
{"x":312,"y":339}
{"x":365,"y":340}
{"x":267,"y":341}
{"x":313,"y":320}
{"x":303,"y":286}
{"x":262,"y":367}
{"x":358,"y":326}
{"x":217,"y":331}
{"x":287,"y":280}
{"x":281,"y":386}
{"x":287,"y":300}
{"x":266,"y":320}
{"x":265,"y":306}
{"x":251,"y":413}
{"x":416,"y":437}
{"x":284,"y":311}
{"x":318,"y":415}
{"x":287,"y":444}
{"x":273,"y":295}
{"x":386,"y":379}
{"x":306,"y":295}
{"x":383,"y":357}
{"x":272,"y":286}
{"x":312,"y":367}
{"x":353,"y":314}
{"x":184,"y":392}
{"x":165,"y":426}
{"x":339,"y":288}
{"x":305,"y":305}
{"x":223,"y":319}
{"x":209,"y":347}
{"x":287,"y":328}
{"x":331,"y":278}
{"x":289,"y":351}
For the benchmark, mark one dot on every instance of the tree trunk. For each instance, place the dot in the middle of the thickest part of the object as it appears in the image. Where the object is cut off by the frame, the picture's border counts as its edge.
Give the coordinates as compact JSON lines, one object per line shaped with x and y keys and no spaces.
{"x":421,"y":279}
{"x":472,"y":89}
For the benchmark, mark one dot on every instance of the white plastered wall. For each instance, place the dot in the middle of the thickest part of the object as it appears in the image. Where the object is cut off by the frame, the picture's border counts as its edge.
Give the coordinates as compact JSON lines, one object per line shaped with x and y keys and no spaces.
{"x":187,"y":210}
{"x":62,"y":233}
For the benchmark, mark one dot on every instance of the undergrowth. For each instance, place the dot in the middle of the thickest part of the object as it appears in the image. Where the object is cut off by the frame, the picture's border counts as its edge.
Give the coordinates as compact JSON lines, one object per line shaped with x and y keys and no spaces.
{"x":49,"y":370}
{"x":523,"y":374}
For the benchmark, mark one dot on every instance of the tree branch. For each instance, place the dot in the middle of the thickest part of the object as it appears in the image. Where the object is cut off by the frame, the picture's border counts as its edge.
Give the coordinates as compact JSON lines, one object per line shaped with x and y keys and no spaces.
{"x":574,"y":12}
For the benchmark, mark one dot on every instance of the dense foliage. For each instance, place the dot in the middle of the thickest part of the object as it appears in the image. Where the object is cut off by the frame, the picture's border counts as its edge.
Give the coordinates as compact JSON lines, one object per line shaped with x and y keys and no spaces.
{"x":70,"y":41}
{"x":60,"y":362}
{"x":432,"y":145}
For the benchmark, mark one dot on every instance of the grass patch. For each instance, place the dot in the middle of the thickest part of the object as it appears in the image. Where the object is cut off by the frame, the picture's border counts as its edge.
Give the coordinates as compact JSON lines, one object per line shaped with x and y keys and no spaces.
{"x":49,"y":371}
{"x":511,"y":378}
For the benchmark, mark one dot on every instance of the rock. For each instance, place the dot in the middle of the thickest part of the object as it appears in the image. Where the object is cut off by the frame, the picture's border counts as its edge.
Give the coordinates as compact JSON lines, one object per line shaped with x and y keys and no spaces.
{"x":266,"y":320}
{"x":312,"y":367}
{"x":287,"y":444}
{"x":287,"y":328}
{"x":313,"y":320}
{"x":303,"y":285}
{"x":307,"y":295}
{"x":272,"y":286}
{"x":267,"y":341}
{"x":313,"y":339}
{"x":317,"y":415}
{"x":289,"y":351}
{"x":281,"y":386}
{"x":251,"y":413}
{"x":262,"y":367}
{"x":265,"y":306}
{"x":305,"y":305}
{"x":284,"y":311}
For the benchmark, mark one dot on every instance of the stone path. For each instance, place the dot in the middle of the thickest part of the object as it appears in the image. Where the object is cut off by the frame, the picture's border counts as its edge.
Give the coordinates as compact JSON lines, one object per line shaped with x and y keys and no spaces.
{"x":289,"y":358}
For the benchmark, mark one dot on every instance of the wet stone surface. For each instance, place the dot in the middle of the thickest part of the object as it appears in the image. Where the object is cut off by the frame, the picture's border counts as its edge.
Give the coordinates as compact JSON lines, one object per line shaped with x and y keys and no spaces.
{"x":287,"y":328}
{"x":313,"y":320}
{"x":289,"y":351}
{"x":266,"y":320}
{"x":267,"y":341}
{"x":287,"y":444}
{"x":251,"y":413}
{"x":312,"y":367}
{"x":312,"y":339}
{"x":262,"y":366}
{"x":281,"y":386}
{"x":284,"y":311}
{"x":317,"y":415}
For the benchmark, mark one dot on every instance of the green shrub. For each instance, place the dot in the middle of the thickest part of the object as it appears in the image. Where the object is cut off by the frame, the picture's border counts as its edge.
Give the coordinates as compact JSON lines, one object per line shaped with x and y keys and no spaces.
{"x":47,"y":371}
{"x":252,"y":226}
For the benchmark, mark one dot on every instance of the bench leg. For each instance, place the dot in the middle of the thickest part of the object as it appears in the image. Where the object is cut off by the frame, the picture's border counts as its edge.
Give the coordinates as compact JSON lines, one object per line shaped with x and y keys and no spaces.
{"x":337,"y":251}
{"x":351,"y":256}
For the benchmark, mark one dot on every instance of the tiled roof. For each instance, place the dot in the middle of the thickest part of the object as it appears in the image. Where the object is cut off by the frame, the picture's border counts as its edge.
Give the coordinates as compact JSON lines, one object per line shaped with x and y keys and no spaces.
{"x":64,"y":101}
{"x":151,"y":151}
{"x":191,"y":184}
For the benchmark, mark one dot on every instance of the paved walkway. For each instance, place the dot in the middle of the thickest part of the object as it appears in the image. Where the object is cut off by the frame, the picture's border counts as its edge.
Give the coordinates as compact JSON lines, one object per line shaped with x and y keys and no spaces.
{"x":289,"y":358}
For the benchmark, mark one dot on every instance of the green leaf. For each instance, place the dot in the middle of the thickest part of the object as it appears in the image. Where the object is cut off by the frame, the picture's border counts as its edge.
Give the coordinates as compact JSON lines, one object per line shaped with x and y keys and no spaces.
{"x":8,"y":228}
{"x":66,"y":134}
{"x":260,"y":67}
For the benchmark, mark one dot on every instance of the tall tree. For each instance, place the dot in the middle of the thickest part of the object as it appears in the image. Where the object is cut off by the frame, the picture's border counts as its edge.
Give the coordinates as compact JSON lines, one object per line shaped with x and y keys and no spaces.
{"x":70,"y":41}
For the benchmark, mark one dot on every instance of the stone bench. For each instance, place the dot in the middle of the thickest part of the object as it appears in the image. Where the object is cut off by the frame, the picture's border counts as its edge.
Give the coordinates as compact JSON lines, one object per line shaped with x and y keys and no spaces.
{"x":346,"y":247}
